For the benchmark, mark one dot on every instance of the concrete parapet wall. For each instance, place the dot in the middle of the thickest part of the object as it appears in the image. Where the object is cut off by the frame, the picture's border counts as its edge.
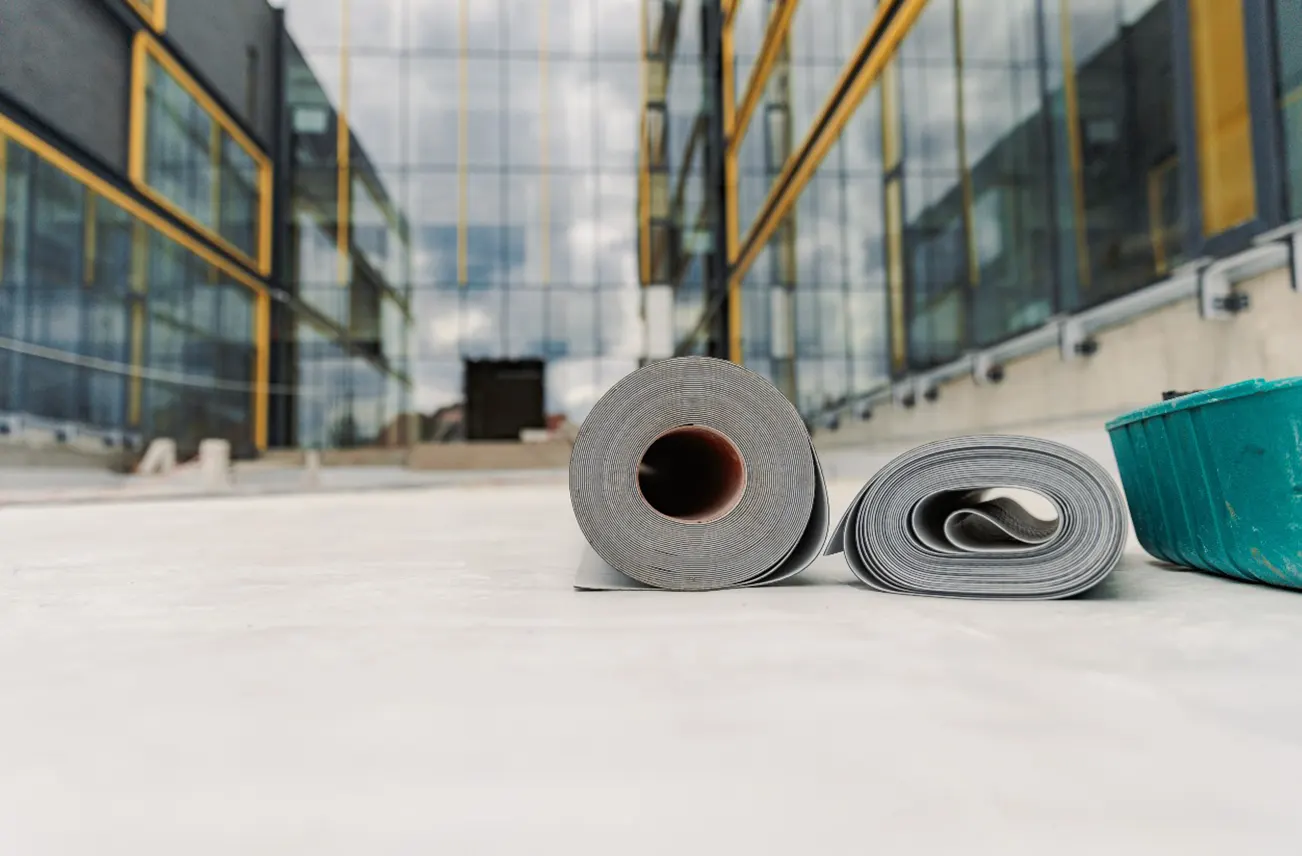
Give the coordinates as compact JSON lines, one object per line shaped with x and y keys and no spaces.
{"x":1169,"y":349}
{"x":431,"y":456}
{"x":21,"y":455}
{"x":361,"y":457}
{"x":489,"y":456}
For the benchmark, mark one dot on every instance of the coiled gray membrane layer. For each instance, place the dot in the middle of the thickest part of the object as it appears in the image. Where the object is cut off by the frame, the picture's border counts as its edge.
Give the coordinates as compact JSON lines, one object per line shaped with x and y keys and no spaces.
{"x":694,"y":474}
{"x":927,"y":524}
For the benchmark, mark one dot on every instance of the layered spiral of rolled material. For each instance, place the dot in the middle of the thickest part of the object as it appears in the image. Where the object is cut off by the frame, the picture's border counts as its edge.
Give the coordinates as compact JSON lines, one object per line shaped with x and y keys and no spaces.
{"x":694,"y":474}
{"x":937,"y":520}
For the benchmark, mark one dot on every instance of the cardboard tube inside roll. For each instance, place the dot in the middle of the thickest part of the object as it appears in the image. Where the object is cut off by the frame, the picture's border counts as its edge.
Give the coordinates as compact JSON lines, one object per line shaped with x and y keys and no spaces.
{"x":692,"y":474}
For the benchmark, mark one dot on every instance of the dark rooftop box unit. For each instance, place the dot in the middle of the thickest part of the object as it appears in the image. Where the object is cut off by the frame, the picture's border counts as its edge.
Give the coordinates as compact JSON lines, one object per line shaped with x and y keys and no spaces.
{"x":503,"y":397}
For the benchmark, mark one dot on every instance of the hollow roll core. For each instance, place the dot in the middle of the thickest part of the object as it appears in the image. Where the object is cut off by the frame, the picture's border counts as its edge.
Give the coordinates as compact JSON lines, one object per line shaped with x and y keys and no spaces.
{"x":692,"y":474}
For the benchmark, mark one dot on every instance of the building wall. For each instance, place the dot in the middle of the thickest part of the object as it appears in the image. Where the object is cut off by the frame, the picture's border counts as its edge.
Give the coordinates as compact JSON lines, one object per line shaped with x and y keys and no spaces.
{"x":126,"y":328}
{"x":119,"y":323}
{"x":69,"y":62}
{"x":1169,"y":349}
{"x":1009,"y":162}
{"x":216,"y":37}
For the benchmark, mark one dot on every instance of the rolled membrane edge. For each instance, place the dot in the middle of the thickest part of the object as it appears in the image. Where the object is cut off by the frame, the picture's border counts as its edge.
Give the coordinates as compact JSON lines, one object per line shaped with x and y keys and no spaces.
{"x":695,"y":474}
{"x":926,"y":523}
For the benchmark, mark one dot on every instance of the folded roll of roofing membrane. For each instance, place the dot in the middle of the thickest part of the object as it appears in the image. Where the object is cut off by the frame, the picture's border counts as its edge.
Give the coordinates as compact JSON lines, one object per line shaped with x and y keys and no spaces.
{"x":694,"y":474}
{"x":938,"y":520}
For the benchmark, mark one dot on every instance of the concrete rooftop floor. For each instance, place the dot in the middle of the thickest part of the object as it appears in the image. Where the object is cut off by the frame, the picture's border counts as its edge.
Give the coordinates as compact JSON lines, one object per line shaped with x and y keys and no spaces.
{"x":410,"y":672}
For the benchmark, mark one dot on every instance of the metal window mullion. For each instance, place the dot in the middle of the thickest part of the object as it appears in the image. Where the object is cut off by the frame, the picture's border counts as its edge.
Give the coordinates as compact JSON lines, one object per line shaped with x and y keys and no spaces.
{"x":215,"y":164}
{"x":1075,"y":147}
{"x":29,"y":304}
{"x":1266,"y":119}
{"x":1050,"y":173}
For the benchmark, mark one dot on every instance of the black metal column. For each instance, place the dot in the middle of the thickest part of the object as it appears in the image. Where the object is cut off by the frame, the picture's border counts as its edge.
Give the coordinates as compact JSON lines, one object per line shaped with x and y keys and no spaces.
{"x":716,"y":260}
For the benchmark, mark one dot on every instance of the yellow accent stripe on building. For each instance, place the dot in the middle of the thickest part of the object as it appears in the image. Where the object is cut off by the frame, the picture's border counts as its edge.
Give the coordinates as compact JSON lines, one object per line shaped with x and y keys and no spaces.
{"x":892,"y":143}
{"x":463,"y":137}
{"x":728,"y":75}
{"x":343,"y":159}
{"x":643,"y":155}
{"x":89,"y":237}
{"x":143,"y":9}
{"x":136,"y":384}
{"x":152,"y":12}
{"x":892,"y":151}
{"x":544,"y":176}
{"x":689,"y":157}
{"x":215,"y":164}
{"x":729,"y":85}
{"x":147,"y":47}
{"x":145,"y":217}
{"x":262,"y":369}
{"x":895,"y":272}
{"x":1075,"y":153}
{"x":137,"y":109}
{"x":4,"y":196}
{"x":965,"y":168}
{"x":775,"y":37}
{"x":70,"y":167}
{"x":734,"y":282}
{"x":879,"y":43}
{"x":139,"y":284}
{"x":1222,"y":116}
{"x":730,"y":8}
{"x":1156,"y":220}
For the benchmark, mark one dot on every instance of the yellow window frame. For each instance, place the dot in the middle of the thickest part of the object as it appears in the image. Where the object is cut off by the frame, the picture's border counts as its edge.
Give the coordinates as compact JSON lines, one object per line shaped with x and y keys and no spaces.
{"x":11,"y":130}
{"x":1159,"y":229}
{"x":152,"y":12}
{"x":4,"y":197}
{"x":145,"y":48}
{"x":1223,"y":115}
{"x":880,"y":40}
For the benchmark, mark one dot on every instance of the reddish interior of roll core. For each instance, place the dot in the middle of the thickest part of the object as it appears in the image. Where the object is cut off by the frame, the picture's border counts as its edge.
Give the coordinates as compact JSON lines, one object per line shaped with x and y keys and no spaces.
{"x":692,"y":474}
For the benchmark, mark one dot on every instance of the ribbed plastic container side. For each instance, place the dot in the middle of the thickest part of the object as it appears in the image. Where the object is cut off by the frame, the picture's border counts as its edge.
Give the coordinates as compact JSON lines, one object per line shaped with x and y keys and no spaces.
{"x":1214,"y":480}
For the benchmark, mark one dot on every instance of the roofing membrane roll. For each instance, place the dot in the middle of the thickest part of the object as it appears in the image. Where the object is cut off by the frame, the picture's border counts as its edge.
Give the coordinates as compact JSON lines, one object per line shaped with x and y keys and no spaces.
{"x":943,"y":519}
{"x":694,"y":474}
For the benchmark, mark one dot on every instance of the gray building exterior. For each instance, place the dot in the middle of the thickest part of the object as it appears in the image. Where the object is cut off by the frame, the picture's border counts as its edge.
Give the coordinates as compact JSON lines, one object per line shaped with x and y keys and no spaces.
{"x":149,"y":283}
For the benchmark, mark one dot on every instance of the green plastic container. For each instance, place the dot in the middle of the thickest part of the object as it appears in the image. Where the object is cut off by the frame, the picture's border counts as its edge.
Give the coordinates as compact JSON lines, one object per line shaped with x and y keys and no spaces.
{"x":1214,"y":479}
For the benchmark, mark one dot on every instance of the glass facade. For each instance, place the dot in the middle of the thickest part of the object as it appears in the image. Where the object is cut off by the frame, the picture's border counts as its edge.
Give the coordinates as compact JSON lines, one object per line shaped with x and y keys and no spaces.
{"x":506,"y":132}
{"x":112,"y":320}
{"x":684,"y":253}
{"x":1288,"y":29}
{"x":193,"y":159}
{"x":345,"y":340}
{"x":990,"y":166}
{"x":838,"y":192}
{"x":154,"y":12}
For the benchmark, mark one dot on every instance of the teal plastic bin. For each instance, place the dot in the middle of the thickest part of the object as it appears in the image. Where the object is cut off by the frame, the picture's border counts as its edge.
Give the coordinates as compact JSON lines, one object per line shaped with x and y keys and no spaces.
{"x":1214,"y":479}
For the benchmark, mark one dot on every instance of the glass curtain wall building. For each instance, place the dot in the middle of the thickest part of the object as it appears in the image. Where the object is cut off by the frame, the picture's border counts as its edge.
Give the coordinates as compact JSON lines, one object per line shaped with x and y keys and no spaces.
{"x":910,"y":180}
{"x":192,"y":244}
{"x":92,"y":281}
{"x":505,"y":131}
{"x":134,"y":238}
{"x":293,"y":227}
{"x":343,"y":345}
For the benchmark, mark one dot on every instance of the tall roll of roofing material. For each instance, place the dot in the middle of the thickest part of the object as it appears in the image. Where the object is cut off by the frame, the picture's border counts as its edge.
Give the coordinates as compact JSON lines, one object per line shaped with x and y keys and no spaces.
{"x":939,"y":520}
{"x":694,"y":474}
